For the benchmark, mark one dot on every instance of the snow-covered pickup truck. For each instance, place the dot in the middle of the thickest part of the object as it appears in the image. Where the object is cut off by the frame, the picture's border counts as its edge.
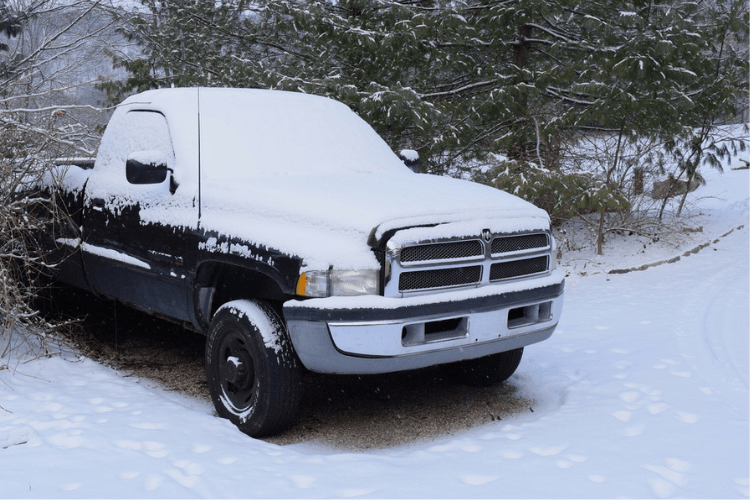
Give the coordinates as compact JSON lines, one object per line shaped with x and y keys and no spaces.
{"x":283,"y":227}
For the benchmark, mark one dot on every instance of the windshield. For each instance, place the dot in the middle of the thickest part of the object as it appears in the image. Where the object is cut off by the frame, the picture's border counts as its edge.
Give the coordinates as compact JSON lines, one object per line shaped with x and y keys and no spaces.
{"x":269,"y":133}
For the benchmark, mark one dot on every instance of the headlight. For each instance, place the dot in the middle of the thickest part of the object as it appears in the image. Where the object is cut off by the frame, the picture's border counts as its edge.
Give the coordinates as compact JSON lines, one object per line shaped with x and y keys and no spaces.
{"x":339,"y":282}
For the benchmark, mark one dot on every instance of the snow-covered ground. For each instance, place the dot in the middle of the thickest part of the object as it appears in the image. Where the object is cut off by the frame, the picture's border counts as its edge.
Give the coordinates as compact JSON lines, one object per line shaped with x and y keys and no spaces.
{"x":642,"y":392}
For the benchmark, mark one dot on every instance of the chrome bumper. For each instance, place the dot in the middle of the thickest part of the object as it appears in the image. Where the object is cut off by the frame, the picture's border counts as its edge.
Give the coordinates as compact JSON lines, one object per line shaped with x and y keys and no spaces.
{"x":358,"y":335}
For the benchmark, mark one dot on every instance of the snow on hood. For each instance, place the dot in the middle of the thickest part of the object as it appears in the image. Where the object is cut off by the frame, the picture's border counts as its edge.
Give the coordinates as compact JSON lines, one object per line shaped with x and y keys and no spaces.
{"x":328,"y":219}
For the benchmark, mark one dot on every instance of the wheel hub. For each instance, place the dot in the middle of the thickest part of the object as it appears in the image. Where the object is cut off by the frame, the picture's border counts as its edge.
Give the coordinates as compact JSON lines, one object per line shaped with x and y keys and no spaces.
{"x":235,"y":370}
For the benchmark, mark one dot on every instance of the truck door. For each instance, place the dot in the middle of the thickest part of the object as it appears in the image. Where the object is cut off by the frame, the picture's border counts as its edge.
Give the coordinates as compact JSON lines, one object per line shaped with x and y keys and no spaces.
{"x":131,"y":249}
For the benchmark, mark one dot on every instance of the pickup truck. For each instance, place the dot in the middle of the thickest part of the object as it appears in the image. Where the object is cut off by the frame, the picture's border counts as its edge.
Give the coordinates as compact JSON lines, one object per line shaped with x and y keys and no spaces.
{"x":282,"y":227}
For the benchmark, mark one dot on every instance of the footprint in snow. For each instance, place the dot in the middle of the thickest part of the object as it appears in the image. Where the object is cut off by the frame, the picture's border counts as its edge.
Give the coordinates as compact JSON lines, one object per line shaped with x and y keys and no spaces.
{"x":186,"y":480}
{"x":670,"y":477}
{"x":201,"y":448}
{"x":630,"y":396}
{"x":41,"y":396}
{"x":189,"y":467}
{"x":17,"y":436}
{"x":635,"y":430}
{"x":148,"y":426}
{"x":622,"y":415}
{"x":67,"y":440}
{"x":352,"y":493}
{"x":548,"y":451}
{"x":688,"y":418}
{"x":476,"y":480}
{"x":302,"y":482}
{"x":153,"y":482}
{"x":656,"y":408}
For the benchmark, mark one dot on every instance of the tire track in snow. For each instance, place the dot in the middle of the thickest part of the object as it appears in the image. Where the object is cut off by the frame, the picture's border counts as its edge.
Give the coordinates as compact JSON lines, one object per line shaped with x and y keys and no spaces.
{"x":710,"y":340}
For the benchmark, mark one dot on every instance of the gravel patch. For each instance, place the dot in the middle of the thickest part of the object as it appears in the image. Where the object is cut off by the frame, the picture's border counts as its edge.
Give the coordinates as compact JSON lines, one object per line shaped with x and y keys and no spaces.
{"x":351,"y":413}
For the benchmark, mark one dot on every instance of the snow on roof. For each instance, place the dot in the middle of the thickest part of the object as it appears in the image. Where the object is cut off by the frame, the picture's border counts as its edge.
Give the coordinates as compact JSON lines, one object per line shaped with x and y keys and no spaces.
{"x":253,"y":133}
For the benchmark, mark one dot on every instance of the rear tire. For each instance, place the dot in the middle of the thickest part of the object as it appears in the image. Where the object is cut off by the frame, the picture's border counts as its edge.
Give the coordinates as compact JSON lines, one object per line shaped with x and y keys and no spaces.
{"x":487,"y":371}
{"x":252,"y":371}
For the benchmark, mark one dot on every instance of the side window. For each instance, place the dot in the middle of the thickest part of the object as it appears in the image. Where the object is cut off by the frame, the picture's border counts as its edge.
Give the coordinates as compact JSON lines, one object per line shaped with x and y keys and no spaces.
{"x":148,"y":132}
{"x":144,"y":138}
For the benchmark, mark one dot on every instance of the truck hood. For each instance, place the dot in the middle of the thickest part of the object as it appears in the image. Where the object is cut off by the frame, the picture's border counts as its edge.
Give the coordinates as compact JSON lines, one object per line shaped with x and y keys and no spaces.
{"x":329,"y":219}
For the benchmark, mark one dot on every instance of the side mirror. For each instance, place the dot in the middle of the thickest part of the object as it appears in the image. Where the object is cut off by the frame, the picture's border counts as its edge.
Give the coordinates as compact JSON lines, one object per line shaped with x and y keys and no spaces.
{"x":146,"y":167}
{"x":410,"y":159}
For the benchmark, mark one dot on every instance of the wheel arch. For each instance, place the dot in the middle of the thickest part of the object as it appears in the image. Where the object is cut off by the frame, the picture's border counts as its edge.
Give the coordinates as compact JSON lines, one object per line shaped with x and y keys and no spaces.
{"x":217,"y":283}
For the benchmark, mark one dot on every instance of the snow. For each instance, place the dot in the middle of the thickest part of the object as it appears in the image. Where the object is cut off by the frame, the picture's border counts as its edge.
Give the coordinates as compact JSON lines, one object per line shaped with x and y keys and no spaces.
{"x":264,"y":133}
{"x":327,"y":219}
{"x":155,"y":157}
{"x":409,"y":155}
{"x":642,"y":392}
{"x":111,"y":254}
{"x":107,"y":253}
{"x":267,"y":325}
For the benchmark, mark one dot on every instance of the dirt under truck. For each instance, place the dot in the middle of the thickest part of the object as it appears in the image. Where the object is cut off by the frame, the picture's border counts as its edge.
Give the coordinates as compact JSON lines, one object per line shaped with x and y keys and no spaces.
{"x":282,"y":227}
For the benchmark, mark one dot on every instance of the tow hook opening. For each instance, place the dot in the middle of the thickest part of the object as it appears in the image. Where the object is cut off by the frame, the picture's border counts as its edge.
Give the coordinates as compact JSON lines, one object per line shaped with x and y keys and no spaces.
{"x":434,"y":331}
{"x":529,"y":315}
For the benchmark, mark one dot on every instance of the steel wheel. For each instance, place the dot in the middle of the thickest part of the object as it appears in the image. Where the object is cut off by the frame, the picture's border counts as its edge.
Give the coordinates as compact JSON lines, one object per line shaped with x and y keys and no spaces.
{"x":251,"y":368}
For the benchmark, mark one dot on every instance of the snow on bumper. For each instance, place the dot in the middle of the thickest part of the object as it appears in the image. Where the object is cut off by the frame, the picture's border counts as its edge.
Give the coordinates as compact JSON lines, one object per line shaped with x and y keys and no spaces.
{"x":368,"y":334}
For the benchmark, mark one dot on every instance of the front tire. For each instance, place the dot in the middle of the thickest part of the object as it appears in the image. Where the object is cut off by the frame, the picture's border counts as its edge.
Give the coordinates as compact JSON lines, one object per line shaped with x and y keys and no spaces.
{"x":252,"y":371}
{"x":487,"y":371}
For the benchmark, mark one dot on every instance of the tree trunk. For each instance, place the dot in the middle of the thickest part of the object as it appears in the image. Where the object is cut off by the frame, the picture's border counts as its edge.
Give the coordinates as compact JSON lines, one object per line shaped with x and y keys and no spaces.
{"x":603,"y":211}
{"x":521,"y":49}
{"x":638,"y":181}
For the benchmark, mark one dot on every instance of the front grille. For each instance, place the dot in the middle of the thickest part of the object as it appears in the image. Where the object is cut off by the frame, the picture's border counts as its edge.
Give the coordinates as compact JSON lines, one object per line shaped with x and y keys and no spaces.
{"x":507,"y":244}
{"x":439,"y":278}
{"x":516,"y":268}
{"x":442,"y":251}
{"x":421,"y":266}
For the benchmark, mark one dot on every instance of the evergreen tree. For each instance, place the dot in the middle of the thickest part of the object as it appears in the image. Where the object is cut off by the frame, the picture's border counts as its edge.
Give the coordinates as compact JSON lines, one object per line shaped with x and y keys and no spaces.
{"x":460,"y":81}
{"x":9,"y":22}
{"x":9,"y":27}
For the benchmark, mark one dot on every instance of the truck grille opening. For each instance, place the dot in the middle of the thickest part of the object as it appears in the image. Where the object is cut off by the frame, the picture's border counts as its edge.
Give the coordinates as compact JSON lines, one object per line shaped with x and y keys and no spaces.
{"x":439,"y":278}
{"x":508,"y":244}
{"x":442,"y":251}
{"x":420,"y":266}
{"x":516,"y":268}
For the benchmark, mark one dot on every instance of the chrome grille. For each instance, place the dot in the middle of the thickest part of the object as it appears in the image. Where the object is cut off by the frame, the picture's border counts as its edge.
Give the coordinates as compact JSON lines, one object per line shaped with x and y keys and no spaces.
{"x":422,"y":266}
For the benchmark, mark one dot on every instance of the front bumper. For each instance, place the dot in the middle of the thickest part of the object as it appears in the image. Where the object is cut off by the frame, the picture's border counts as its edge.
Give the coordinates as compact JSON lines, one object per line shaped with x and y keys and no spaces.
{"x":372,"y":334}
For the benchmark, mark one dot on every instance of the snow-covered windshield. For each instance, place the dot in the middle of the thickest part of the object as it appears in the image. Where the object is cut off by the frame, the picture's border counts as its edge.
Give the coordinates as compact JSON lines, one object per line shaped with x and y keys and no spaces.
{"x":270,"y":133}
